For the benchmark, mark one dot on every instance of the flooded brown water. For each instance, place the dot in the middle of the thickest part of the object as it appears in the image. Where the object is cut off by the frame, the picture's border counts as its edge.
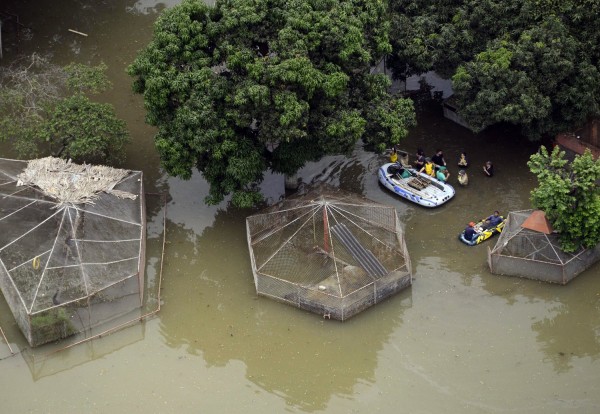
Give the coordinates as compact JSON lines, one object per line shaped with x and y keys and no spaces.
{"x":460,"y":340}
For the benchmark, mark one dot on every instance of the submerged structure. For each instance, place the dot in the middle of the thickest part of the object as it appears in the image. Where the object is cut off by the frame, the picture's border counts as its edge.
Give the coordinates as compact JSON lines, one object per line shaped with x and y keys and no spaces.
{"x":328,"y":251}
{"x":71,"y":247}
{"x":528,"y":247}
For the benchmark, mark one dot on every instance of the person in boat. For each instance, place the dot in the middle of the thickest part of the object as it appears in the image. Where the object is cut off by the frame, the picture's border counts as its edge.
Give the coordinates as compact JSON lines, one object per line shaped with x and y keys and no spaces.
{"x":420,"y":161}
{"x":493,"y":220}
{"x":488,"y":169}
{"x":428,"y":168}
{"x":438,"y":159}
{"x":403,"y":158}
{"x":463,"y":178}
{"x":470,"y":232}
{"x":403,"y":173}
{"x":463,"y":162}
{"x":442,"y":174}
{"x":394,"y":156}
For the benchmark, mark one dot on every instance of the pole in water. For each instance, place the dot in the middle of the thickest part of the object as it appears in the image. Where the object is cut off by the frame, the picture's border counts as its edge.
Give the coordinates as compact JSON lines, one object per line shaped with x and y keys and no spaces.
{"x":325,"y":229}
{"x":76,"y":32}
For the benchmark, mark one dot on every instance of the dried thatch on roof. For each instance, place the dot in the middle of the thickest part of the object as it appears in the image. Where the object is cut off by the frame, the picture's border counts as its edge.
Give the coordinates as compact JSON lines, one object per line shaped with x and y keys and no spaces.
{"x":68,"y":182}
{"x":72,"y":257}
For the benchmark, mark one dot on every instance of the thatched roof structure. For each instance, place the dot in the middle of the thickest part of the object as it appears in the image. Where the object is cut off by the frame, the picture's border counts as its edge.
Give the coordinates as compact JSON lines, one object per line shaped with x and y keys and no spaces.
{"x":67,"y":182}
{"x":72,"y":245}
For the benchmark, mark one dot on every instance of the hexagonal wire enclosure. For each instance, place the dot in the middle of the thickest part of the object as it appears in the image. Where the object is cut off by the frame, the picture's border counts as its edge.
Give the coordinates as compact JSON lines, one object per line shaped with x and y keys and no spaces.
{"x":72,"y":246}
{"x":328,"y":251}
{"x":528,"y":247}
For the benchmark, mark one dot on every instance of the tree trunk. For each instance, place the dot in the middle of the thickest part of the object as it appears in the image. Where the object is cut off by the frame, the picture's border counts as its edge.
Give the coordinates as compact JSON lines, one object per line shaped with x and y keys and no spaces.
{"x":292,"y":182}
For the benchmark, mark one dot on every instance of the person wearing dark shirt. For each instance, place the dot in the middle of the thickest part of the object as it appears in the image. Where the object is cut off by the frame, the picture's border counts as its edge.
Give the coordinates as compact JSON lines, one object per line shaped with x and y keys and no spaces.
{"x":488,"y":169}
{"x":438,"y":159}
{"x":463,"y":162}
{"x":470,"y":232}
{"x":493,"y":220}
{"x":420,"y":162}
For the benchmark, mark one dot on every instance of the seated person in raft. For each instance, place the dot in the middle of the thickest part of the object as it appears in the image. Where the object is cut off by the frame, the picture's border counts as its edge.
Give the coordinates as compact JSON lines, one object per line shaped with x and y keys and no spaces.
{"x":428,"y":168}
{"x":492,"y":221}
{"x":402,"y":173}
{"x":470,"y":232}
{"x":420,"y":161}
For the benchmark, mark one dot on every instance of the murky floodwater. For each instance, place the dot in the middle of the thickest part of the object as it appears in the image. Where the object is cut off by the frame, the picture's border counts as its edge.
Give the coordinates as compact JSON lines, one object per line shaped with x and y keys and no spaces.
{"x":460,"y":340}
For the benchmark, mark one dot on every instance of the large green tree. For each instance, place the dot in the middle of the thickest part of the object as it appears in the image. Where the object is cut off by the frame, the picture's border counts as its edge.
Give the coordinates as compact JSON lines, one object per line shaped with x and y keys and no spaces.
{"x":245,"y":86}
{"x":540,"y":82}
{"x":569,"y":194}
{"x":532,"y":63}
{"x":44,"y":109}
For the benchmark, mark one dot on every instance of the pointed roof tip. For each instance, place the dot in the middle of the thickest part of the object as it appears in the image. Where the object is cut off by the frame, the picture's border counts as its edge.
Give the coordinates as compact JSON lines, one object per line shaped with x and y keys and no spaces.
{"x":537,"y":221}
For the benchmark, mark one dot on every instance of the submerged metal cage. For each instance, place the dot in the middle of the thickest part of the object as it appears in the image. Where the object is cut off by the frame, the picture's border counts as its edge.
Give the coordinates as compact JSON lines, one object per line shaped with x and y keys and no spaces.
{"x":72,"y":246}
{"x":532,"y":254}
{"x":331,"y":252}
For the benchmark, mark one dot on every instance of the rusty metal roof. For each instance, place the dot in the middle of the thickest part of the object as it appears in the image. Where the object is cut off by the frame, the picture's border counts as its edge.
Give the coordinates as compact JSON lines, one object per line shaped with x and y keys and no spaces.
{"x":537,"y":221}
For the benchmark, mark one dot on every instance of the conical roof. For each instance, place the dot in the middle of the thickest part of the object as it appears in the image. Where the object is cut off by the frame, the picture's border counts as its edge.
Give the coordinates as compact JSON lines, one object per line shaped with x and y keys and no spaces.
{"x":537,"y":221}
{"x":56,"y":251}
{"x":327,"y":240}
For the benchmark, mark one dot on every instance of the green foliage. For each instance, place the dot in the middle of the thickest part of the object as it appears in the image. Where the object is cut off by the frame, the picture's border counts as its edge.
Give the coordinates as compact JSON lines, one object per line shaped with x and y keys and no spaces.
{"x":43,"y":111}
{"x":52,"y":317}
{"x":51,"y":325}
{"x":85,"y":131}
{"x":569,"y":195}
{"x":247,"y":86}
{"x":533,"y":82}
{"x":27,"y":88}
{"x":529,"y":63}
{"x":84,"y":78}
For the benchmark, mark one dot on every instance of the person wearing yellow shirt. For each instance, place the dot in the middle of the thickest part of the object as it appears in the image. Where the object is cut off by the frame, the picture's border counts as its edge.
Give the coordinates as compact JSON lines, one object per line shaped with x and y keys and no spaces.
{"x":463,"y":178}
{"x":428,"y":168}
{"x":394,"y":156}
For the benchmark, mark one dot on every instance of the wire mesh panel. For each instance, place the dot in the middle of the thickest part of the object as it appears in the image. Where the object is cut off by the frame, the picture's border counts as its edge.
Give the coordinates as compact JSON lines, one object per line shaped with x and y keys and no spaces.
{"x":535,"y":255}
{"x":71,"y":245}
{"x":329,"y":252}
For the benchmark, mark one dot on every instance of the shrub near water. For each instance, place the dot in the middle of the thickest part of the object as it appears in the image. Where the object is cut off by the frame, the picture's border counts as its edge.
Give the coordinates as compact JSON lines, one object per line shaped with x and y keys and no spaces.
{"x":569,"y":195}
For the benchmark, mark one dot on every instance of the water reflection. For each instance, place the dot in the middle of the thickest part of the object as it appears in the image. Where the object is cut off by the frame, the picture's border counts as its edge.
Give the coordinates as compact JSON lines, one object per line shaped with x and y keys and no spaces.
{"x":42,"y":365}
{"x":564,"y":318}
{"x":460,"y":340}
{"x":151,"y":6}
{"x":569,"y":332}
{"x":285,"y":350}
{"x":52,"y":358}
{"x":155,"y":6}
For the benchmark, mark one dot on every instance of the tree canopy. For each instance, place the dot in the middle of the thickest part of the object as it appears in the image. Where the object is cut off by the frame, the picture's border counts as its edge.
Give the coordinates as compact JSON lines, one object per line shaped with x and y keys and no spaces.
{"x":569,"y":195}
{"x":44,"y":110}
{"x":529,"y":63}
{"x":245,"y":86}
